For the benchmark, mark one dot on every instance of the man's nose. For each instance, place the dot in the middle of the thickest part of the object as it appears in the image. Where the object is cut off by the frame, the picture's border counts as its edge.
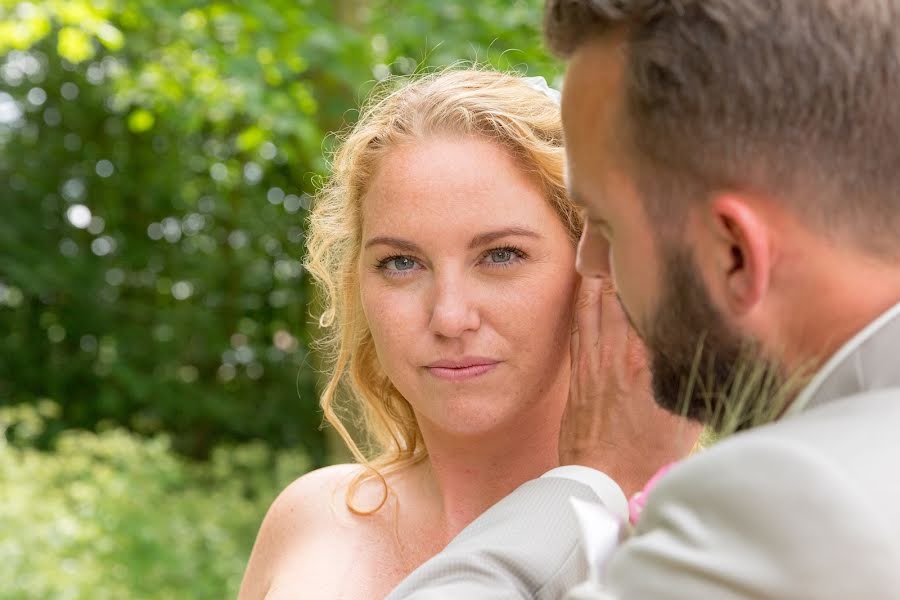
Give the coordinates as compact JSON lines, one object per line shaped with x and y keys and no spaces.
{"x":592,"y":259}
{"x":453,"y":310}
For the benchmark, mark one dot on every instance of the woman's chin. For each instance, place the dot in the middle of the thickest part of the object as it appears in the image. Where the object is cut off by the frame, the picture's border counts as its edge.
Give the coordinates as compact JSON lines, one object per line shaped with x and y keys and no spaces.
{"x":470,"y":422}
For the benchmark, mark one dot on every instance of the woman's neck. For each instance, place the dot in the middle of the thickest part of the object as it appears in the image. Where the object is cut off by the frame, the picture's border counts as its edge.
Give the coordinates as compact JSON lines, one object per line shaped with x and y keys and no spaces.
{"x":466,"y":475}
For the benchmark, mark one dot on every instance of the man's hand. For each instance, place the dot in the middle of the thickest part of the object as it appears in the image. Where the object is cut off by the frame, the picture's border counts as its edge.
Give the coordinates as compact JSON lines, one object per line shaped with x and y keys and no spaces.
{"x":611,"y":422}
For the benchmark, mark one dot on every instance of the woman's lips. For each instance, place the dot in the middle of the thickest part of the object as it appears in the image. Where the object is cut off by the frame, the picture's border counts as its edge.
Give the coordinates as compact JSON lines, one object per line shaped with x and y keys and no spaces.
{"x":461,"y":370}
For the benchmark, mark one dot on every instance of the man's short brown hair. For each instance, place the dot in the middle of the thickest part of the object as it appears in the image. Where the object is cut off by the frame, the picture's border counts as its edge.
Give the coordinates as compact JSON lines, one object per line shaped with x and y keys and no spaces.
{"x":799,"y":99}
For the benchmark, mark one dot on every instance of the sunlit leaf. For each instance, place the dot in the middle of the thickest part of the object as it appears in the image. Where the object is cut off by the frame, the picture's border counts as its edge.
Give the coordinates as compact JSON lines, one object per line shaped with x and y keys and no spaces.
{"x":141,"y":120}
{"x":250,"y":139}
{"x":110,"y":36}
{"x":23,"y":34}
{"x":74,"y":45}
{"x":193,"y":20}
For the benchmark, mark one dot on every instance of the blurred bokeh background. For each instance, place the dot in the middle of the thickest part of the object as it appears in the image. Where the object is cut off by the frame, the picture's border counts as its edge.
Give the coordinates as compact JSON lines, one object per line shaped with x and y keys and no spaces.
{"x":157,"y":160}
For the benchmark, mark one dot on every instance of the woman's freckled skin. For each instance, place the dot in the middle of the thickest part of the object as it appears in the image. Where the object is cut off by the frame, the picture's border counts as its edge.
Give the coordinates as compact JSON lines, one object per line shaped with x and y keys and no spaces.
{"x":440,"y":298}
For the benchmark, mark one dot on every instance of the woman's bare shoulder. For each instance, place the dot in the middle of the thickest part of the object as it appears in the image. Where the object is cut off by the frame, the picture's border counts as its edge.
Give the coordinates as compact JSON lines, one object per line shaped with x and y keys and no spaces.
{"x":312,"y":545}
{"x":316,"y":490}
{"x":311,"y":502}
{"x":307,"y":512}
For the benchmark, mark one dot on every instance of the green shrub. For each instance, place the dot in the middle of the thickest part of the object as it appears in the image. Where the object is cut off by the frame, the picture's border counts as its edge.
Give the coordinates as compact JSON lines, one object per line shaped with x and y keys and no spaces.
{"x":114,"y":515}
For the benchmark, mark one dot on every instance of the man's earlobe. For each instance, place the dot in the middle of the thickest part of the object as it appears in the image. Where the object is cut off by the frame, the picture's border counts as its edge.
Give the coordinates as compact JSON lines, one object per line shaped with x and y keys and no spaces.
{"x":746,"y":253}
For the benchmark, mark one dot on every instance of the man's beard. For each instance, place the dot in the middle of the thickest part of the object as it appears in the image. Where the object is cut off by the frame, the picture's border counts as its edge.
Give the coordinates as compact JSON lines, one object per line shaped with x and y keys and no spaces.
{"x":702,"y":368}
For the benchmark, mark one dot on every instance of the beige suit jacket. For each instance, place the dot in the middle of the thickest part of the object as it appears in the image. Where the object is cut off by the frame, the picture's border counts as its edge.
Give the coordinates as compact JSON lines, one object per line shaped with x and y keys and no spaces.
{"x":808,"y":507}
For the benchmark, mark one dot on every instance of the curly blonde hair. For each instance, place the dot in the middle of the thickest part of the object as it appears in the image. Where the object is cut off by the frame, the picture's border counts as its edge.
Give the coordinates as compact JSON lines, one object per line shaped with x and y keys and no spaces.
{"x":502,"y":108}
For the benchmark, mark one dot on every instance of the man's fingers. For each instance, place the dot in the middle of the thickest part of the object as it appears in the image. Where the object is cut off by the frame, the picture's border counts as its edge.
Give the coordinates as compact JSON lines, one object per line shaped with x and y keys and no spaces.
{"x":587,"y":311}
{"x":613,"y":320}
{"x":604,"y":332}
{"x":637,"y":358}
{"x":574,"y":346}
{"x":573,"y":340}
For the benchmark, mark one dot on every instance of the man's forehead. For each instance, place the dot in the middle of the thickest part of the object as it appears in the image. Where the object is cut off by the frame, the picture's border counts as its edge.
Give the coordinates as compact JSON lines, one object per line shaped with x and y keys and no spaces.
{"x":593,"y":89}
{"x":591,"y":101}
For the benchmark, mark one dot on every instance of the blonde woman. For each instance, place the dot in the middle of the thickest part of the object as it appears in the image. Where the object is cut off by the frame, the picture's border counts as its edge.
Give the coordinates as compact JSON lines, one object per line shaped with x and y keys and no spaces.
{"x":444,"y":249}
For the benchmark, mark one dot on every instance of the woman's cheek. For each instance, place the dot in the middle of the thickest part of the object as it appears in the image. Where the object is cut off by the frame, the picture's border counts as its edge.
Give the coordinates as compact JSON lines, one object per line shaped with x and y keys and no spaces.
{"x":391,"y":318}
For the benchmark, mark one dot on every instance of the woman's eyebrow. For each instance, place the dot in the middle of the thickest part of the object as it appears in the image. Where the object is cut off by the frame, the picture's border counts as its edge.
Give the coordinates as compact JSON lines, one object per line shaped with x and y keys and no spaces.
{"x":486,"y":238}
{"x":394,"y":242}
{"x":479,"y":240}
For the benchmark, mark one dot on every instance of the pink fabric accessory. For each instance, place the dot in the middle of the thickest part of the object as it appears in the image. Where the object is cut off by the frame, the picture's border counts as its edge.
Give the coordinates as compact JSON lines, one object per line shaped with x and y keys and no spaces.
{"x":639,"y":499}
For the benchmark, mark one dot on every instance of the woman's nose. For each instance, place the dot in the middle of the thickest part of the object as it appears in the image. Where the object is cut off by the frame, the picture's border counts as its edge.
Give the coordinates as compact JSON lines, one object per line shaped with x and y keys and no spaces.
{"x":453,"y":310}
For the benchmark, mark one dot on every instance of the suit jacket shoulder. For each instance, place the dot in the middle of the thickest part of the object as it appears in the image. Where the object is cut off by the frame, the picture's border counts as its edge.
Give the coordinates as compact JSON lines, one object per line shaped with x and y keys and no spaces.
{"x":784,"y":511}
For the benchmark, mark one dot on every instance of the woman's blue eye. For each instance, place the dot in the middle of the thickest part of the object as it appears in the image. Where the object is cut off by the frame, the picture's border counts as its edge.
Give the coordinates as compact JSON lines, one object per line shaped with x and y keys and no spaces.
{"x":500,"y":255}
{"x":401,"y":263}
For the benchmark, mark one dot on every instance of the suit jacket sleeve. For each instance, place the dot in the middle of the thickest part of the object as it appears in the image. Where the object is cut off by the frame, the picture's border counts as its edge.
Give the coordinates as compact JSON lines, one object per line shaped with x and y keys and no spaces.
{"x":525,"y":546}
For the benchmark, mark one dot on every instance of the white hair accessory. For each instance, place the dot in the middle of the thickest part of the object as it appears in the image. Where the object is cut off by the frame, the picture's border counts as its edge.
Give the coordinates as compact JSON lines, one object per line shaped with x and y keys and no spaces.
{"x":540,"y":84}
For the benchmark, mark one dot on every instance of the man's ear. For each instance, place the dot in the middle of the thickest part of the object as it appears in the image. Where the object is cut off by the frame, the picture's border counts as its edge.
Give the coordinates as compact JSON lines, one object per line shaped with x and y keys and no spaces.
{"x":743,"y":253}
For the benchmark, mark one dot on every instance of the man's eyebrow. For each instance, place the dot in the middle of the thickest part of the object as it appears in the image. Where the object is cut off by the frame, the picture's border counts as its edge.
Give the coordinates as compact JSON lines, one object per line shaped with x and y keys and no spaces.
{"x":486,"y":238}
{"x":575,"y":197}
{"x":394,"y":242}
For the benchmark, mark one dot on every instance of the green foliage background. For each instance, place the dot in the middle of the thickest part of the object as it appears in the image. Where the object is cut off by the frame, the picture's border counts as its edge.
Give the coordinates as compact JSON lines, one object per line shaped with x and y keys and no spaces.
{"x":111,"y":515}
{"x":156,"y":163}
